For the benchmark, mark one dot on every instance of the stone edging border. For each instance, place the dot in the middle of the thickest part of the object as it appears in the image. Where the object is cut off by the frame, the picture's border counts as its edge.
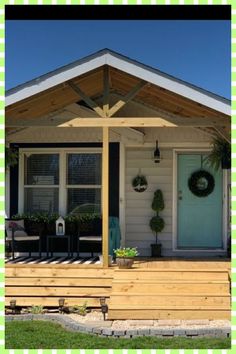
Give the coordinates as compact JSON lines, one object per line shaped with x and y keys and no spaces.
{"x":72,"y":325}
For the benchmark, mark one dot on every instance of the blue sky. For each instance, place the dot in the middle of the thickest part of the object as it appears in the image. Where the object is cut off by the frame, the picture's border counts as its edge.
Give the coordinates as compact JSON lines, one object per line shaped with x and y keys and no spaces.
{"x":195,"y":51}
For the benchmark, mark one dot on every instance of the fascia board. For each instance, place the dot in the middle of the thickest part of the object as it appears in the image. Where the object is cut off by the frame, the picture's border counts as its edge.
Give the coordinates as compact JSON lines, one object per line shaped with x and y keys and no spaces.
{"x":53,"y":79}
{"x":169,"y":84}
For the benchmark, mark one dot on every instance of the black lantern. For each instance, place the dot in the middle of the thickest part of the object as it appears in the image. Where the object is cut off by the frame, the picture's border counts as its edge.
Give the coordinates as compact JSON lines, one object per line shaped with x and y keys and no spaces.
{"x":104,"y":307}
{"x":61,"y":303}
{"x":157,"y":154}
{"x":13,"y":305}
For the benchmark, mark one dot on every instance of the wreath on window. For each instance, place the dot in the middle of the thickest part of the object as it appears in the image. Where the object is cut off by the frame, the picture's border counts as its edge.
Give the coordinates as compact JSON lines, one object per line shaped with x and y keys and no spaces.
{"x":201,"y":183}
{"x":140,"y":183}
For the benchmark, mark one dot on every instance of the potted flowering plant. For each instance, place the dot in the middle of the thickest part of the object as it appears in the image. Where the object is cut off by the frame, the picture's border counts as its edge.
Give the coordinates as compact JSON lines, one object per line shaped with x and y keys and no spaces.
{"x":125,"y":257}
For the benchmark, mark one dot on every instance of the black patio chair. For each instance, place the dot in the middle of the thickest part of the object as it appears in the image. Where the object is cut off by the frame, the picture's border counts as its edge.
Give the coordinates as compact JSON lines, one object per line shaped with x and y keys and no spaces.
{"x":16,"y":234}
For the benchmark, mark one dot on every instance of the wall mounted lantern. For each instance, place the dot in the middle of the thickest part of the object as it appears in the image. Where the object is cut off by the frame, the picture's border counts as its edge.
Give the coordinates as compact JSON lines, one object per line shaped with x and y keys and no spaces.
{"x":61,"y":303}
{"x":157,"y":154}
{"x":13,"y":305}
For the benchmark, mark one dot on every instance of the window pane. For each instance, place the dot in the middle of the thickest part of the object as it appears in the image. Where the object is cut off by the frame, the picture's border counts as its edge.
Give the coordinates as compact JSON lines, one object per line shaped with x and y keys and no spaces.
{"x":84,"y":169}
{"x":41,"y":200}
{"x":42,"y":169}
{"x":84,"y":200}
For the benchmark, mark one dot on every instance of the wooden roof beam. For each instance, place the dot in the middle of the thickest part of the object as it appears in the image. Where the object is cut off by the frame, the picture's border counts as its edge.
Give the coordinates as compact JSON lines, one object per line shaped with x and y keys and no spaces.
{"x":106,"y":92}
{"x":92,"y":104}
{"x":128,"y":97}
{"x":121,"y":122}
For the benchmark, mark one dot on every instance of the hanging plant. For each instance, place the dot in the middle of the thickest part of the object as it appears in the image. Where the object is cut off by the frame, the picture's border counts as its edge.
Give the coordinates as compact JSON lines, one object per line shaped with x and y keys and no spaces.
{"x":201,"y":183}
{"x":11,"y":157}
{"x":220,"y":155}
{"x":140,"y":183}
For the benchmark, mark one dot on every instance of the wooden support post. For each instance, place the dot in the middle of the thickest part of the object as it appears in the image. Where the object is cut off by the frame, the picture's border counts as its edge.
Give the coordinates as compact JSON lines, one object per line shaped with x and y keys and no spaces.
{"x":105,"y":196}
{"x":106,"y":91}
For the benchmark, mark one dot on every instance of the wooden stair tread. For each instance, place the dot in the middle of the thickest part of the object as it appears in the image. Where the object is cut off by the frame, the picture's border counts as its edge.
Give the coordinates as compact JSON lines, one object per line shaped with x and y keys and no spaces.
{"x":156,"y":270}
{"x":168,"y":294}
{"x":169,"y":314}
{"x":120,"y":293}
{"x":169,"y":307}
{"x":178,"y":281}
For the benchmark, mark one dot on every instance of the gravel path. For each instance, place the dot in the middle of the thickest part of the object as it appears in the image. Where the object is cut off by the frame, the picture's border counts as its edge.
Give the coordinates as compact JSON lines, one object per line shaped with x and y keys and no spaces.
{"x":95,"y":316}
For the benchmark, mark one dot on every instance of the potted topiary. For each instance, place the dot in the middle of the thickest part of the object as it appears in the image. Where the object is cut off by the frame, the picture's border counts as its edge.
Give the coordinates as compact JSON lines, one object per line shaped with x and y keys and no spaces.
{"x":125,"y":257}
{"x":157,"y":224}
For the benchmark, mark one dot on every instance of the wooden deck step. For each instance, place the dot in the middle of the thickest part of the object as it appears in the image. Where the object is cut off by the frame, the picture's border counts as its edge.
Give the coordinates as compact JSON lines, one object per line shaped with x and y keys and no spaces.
{"x":171,"y":307}
{"x":140,"y":300}
{"x":70,"y":282}
{"x":178,"y":264}
{"x":168,"y":314}
{"x":148,"y":274}
{"x":171,"y":288}
{"x":53,"y":301}
{"x":171,"y":293}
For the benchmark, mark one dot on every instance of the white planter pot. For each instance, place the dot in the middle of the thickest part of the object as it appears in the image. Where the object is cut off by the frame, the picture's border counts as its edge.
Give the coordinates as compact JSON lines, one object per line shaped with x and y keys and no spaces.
{"x":109,"y":259}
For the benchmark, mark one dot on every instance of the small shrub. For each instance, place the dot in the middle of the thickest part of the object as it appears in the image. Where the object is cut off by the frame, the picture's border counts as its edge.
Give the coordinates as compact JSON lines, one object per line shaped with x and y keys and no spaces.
{"x":80,"y":310}
{"x":36,"y":309}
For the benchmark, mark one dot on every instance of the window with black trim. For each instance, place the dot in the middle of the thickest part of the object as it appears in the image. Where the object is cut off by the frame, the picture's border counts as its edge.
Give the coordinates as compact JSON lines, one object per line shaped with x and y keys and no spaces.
{"x":41,"y":183}
{"x":61,"y":182}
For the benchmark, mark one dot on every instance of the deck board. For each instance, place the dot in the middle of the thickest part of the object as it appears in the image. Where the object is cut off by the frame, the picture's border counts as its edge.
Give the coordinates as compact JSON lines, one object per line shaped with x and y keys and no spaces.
{"x":152,"y":289}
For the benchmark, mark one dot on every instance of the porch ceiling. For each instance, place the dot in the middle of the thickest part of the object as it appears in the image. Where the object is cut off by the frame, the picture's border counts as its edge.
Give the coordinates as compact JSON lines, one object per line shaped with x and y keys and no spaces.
{"x":175,"y":109}
{"x":92,"y":84}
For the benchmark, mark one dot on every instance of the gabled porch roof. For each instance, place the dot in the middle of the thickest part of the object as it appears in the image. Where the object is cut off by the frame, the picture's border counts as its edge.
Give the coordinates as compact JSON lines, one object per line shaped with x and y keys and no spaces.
{"x":95,"y":78}
{"x":124,"y":74}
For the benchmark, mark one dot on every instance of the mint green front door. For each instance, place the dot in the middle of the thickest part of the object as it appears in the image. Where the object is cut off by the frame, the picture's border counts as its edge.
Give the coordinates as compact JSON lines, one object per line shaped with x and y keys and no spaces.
{"x":199,"y":220}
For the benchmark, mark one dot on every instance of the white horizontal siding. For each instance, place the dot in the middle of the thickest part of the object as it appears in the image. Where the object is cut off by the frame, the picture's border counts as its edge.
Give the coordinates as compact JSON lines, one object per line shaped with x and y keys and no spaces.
{"x":175,"y":135}
{"x":138,"y":205}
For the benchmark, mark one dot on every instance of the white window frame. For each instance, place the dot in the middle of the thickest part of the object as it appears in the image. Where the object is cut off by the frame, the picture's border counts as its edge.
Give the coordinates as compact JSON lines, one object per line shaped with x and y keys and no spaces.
{"x":62,"y":152}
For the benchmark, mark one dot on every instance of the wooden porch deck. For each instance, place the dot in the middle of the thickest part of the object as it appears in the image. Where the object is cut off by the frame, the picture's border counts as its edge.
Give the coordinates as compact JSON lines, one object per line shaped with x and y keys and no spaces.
{"x":162,"y":288}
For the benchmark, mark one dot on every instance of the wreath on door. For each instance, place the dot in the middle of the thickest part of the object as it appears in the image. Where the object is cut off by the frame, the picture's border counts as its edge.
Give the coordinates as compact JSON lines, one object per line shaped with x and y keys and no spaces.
{"x":140,"y":183}
{"x":201,"y":183}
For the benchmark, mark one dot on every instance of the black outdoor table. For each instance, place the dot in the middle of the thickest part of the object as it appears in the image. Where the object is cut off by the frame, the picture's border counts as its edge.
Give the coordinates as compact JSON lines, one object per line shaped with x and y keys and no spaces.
{"x":67,"y":237}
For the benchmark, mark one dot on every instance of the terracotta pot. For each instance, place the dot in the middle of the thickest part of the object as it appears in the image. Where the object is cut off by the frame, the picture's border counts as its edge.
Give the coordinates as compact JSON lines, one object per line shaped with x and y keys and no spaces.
{"x":125,"y":262}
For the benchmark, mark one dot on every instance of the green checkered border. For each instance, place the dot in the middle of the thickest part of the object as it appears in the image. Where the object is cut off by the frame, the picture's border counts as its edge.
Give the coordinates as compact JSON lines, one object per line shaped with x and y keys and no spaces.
{"x":2,"y":212}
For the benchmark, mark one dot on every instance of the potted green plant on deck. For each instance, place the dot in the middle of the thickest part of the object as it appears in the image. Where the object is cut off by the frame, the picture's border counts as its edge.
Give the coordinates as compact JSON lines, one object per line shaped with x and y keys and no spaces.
{"x":157,"y":224}
{"x":125,"y":257}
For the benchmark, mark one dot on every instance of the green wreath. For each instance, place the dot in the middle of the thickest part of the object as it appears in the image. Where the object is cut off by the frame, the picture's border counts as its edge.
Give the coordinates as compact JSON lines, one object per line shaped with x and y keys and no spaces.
{"x":140,"y":183}
{"x":201,"y":183}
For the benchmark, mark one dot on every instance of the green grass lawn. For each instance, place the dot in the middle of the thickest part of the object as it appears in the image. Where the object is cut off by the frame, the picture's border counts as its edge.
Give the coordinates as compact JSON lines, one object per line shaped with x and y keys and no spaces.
{"x":47,"y":335}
